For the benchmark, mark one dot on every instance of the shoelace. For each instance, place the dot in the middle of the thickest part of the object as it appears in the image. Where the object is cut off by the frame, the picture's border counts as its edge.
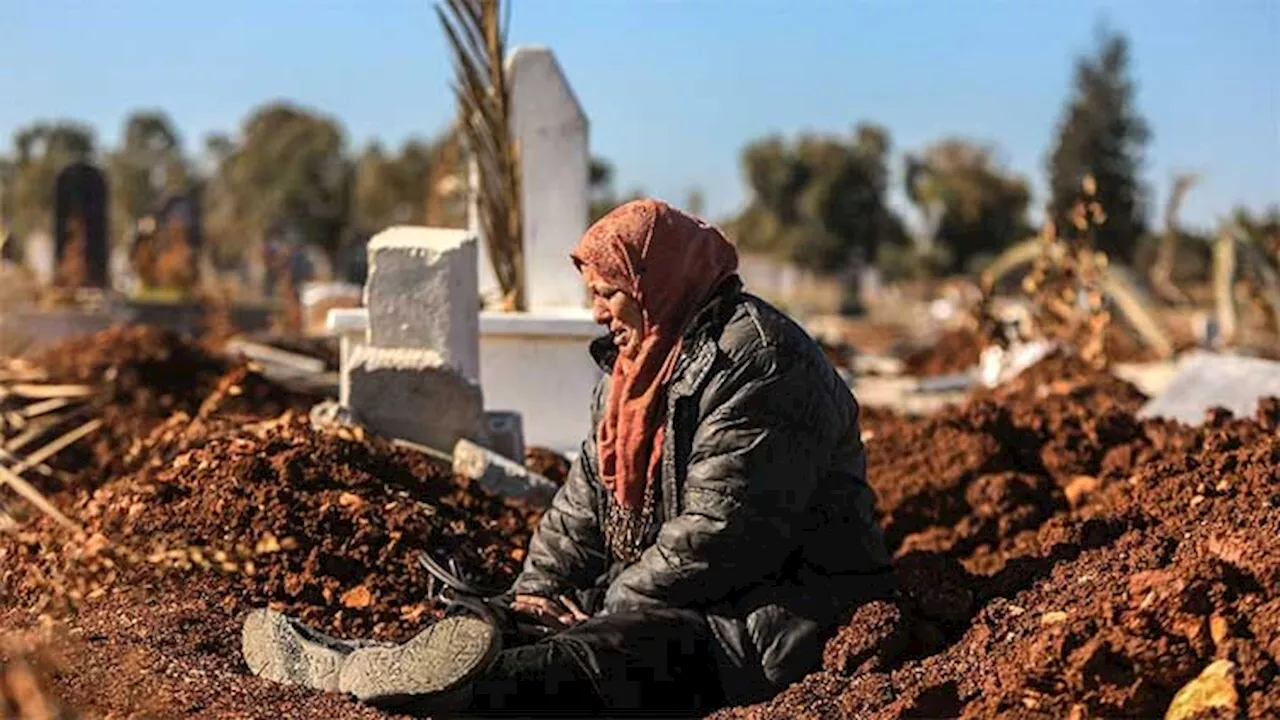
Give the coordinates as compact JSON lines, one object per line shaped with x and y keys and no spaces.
{"x":459,"y":593}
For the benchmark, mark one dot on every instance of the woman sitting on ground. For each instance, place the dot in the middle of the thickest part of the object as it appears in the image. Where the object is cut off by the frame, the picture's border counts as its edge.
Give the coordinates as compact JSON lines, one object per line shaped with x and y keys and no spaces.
{"x":715,"y":530}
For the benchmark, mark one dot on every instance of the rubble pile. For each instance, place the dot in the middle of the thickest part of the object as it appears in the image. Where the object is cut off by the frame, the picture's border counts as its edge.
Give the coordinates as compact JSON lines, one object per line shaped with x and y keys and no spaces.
{"x":1061,"y":559}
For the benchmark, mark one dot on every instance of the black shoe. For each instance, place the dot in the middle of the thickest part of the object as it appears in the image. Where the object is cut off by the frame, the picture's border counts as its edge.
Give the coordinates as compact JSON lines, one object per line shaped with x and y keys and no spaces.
{"x":279,"y":648}
{"x":433,"y":671}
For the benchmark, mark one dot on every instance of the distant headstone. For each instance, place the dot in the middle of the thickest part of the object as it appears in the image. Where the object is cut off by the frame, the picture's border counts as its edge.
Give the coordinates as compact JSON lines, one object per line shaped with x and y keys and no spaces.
{"x":80,"y":226}
{"x":40,"y":256}
{"x":180,"y":214}
{"x":505,"y":431}
{"x":1208,"y":380}
{"x":353,"y":260}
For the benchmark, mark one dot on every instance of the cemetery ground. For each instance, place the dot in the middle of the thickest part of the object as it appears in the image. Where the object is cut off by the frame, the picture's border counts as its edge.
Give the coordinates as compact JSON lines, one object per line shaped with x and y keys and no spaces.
{"x":1059,"y":556}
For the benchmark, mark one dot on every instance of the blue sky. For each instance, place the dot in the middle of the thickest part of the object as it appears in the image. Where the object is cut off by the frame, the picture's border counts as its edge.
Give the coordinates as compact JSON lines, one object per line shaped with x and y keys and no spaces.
{"x":675,"y":88}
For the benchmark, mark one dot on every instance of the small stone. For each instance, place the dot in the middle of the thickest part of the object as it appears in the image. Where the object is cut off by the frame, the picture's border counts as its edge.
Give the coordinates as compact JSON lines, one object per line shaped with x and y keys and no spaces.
{"x":1079,"y":488}
{"x":350,"y":500}
{"x":1197,"y":500}
{"x":1054,"y":617}
{"x":357,"y":597}
{"x":267,"y":544}
{"x":1213,"y":688}
{"x":1219,"y":630}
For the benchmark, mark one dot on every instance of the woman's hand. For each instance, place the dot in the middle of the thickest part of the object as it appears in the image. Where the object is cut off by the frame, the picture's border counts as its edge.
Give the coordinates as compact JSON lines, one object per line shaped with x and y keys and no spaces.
{"x":563,"y":613}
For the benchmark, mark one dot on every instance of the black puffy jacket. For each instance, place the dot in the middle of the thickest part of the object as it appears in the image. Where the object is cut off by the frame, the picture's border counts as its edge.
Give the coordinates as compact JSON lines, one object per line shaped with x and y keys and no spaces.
{"x":767,"y":521}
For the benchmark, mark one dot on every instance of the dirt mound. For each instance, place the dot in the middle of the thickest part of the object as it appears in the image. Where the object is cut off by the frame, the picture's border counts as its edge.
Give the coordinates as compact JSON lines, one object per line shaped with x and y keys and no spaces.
{"x":1059,"y":558}
{"x":325,"y":526}
{"x":141,"y":375}
{"x":954,"y":351}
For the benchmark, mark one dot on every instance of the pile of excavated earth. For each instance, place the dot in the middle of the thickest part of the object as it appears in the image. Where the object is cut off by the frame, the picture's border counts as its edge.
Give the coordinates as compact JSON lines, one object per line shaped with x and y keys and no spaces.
{"x":1059,"y":558}
{"x":959,"y":350}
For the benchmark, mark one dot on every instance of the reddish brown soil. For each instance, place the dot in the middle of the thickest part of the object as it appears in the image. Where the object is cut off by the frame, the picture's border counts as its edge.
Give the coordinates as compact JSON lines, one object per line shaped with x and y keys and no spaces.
{"x":217,"y":505}
{"x":548,"y":463}
{"x":292,"y":517}
{"x":143,"y":375}
{"x":960,"y":349}
{"x":955,"y":351}
{"x":1060,"y":559}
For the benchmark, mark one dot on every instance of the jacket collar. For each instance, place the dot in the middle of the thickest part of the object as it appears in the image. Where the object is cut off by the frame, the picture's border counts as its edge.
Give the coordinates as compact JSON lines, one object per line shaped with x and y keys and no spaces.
{"x":709,"y":320}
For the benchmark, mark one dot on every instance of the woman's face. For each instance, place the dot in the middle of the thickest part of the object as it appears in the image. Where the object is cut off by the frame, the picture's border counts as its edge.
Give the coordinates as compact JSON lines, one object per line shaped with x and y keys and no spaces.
{"x":616,"y":310}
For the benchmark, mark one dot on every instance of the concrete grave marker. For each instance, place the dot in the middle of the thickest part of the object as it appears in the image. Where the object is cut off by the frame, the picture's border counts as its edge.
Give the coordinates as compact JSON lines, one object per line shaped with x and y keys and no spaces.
{"x":550,"y":128}
{"x":411,"y":393}
{"x":505,"y":432}
{"x":422,"y":293}
{"x":1207,"y":380}
{"x":80,"y":226}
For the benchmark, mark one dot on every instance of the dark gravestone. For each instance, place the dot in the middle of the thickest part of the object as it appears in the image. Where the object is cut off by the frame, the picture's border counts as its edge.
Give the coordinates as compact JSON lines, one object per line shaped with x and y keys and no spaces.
{"x":353,"y":260}
{"x":80,"y":226}
{"x":181,"y":215}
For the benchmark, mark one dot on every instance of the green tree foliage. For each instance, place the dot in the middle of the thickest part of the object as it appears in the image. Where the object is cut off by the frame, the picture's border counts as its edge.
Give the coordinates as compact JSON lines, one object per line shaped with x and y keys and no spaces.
{"x":288,"y":168}
{"x":40,"y":151}
{"x":391,"y":189}
{"x":148,"y":166}
{"x":972,"y":207}
{"x":819,"y":200}
{"x":1101,"y":133}
{"x":603,"y":196}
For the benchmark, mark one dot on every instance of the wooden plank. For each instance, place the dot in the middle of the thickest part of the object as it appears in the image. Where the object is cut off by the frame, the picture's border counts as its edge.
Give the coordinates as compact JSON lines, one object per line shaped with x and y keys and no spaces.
{"x":36,"y":429}
{"x":37,"y":391}
{"x":33,"y":496}
{"x":44,"y":407}
{"x":58,"y":445}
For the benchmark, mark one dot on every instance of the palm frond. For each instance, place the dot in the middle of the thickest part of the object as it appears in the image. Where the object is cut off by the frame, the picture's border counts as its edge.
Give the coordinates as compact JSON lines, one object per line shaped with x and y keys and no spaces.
{"x":477,"y":32}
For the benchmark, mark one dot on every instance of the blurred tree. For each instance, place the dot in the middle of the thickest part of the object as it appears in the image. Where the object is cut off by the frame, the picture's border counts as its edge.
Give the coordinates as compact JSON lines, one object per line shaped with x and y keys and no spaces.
{"x":40,"y":151}
{"x":287,"y":170}
{"x":970,"y":205}
{"x":1262,"y":228}
{"x":391,"y":190}
{"x":820,"y":200}
{"x":695,"y":203}
{"x":147,"y":167}
{"x":603,"y":195}
{"x":447,"y":184}
{"x":1101,"y":133}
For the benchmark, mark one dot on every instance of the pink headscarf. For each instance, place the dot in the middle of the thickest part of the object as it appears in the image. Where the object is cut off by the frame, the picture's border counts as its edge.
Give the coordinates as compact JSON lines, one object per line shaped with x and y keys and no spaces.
{"x":670,"y":263}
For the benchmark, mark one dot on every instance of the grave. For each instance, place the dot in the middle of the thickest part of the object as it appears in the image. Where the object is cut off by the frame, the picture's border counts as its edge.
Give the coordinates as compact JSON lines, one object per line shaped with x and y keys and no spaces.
{"x":1206,"y":380}
{"x":414,"y":373}
{"x":533,"y":364}
{"x":423,"y":292}
{"x":536,"y":363}
{"x":80,"y":226}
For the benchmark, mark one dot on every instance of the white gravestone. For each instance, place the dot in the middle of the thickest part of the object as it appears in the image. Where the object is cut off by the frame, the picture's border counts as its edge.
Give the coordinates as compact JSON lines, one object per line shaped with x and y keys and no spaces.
{"x":422,"y":293}
{"x":550,"y":130}
{"x":411,"y":394}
